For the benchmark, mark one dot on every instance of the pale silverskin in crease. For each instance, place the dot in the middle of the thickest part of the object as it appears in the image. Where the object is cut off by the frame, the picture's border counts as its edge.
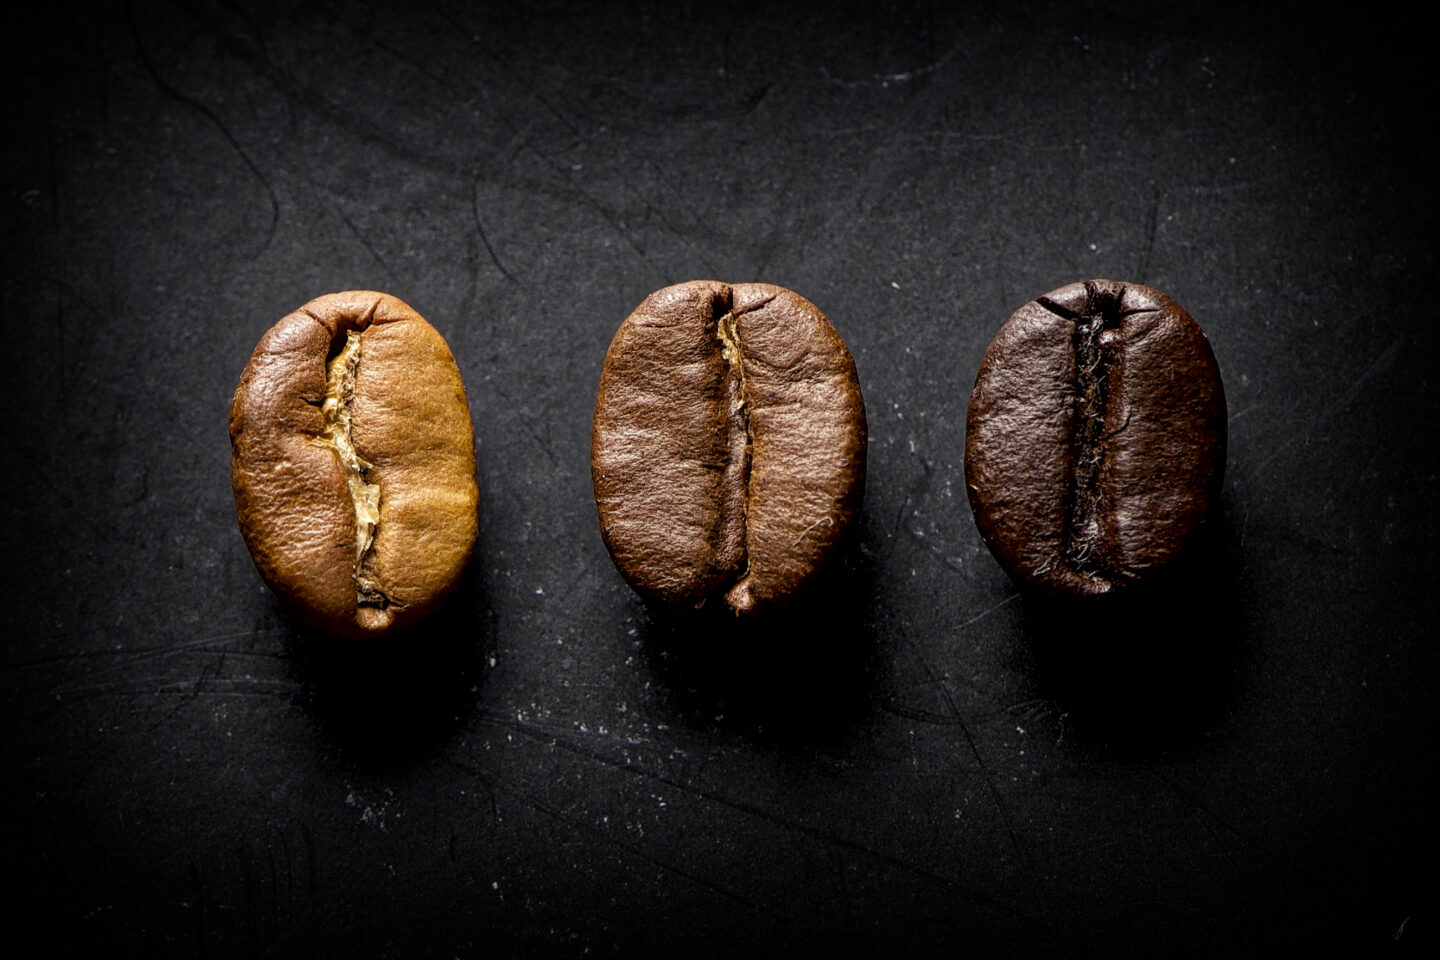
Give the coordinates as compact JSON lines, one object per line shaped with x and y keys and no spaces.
{"x":1095,"y":441}
{"x":728,"y":451}
{"x":353,"y":463}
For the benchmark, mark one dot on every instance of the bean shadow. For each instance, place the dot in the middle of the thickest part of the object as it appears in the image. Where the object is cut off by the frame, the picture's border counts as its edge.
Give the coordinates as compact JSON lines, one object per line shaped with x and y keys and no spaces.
{"x":390,"y":702}
{"x":800,"y":677}
{"x":1150,"y":671}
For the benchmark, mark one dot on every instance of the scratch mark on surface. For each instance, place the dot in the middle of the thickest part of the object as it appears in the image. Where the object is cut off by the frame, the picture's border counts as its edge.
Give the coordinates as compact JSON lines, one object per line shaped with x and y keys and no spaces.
{"x":366,"y":244}
{"x":1378,"y":365}
{"x":1152,"y":218}
{"x":918,"y":488}
{"x":580,"y":826}
{"x":990,"y":609}
{"x":200,"y":645}
{"x":679,"y":235}
{"x":1015,"y":913}
{"x":525,"y":423}
{"x":480,"y":229}
{"x":419,"y":66}
{"x":198,"y":905}
{"x":1201,"y":807}
{"x":885,"y":79}
{"x":954,"y":708}
{"x":200,"y":107}
{"x":582,"y":197}
{"x":1241,"y":413}
{"x":205,"y":685}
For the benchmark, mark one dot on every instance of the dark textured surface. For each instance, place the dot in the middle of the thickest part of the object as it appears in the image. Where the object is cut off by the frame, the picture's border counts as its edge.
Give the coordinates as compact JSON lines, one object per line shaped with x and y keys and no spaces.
{"x":929,"y":765}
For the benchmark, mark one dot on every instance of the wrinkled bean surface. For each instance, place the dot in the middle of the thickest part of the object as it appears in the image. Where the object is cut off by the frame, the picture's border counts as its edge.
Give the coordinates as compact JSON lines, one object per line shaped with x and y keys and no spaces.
{"x":728,"y":451}
{"x":1095,"y":441}
{"x":353,"y":463}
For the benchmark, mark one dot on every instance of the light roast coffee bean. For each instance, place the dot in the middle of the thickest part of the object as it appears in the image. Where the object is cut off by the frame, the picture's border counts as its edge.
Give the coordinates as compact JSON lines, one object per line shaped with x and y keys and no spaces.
{"x":353,"y":463}
{"x":728,"y":451}
{"x":1095,"y":442}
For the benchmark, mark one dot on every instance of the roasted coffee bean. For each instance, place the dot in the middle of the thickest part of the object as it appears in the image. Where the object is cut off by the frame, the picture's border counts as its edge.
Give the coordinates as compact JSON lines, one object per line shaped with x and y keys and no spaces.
{"x":728,"y":450}
{"x":1095,"y":442}
{"x":353,"y":463}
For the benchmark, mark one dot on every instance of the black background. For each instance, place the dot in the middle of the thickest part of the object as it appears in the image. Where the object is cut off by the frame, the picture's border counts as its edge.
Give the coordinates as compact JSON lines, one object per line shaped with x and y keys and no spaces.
{"x":920,"y":762}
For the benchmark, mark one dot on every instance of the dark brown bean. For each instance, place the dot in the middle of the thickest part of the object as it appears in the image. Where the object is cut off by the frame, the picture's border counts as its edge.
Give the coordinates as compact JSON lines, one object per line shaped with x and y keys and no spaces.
{"x":353,"y":463}
{"x":1095,"y":442}
{"x":728,"y":451}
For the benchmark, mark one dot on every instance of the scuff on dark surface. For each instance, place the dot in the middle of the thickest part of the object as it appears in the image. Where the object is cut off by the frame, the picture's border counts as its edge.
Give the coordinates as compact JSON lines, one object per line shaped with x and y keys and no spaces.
{"x":923,"y":765}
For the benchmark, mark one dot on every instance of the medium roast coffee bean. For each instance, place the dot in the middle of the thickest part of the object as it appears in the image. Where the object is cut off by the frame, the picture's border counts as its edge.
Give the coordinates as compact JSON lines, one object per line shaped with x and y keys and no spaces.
{"x":728,"y":451}
{"x":353,"y":463}
{"x":1095,"y":443}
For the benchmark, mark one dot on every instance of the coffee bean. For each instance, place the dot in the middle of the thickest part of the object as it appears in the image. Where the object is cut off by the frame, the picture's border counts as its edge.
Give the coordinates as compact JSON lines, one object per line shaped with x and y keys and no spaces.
{"x":353,"y":463}
{"x":728,"y":451}
{"x":1095,"y":442}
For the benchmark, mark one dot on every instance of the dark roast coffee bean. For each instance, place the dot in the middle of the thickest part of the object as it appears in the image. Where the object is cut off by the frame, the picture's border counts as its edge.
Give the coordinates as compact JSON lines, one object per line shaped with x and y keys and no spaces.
{"x":728,"y":451}
{"x":1095,"y":443}
{"x":353,"y":463}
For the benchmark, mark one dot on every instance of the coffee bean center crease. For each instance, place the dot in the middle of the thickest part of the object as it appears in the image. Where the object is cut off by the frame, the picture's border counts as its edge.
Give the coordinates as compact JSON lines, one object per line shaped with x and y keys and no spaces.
{"x":732,"y":526}
{"x":340,"y":374}
{"x":728,"y":445}
{"x":1098,"y":350}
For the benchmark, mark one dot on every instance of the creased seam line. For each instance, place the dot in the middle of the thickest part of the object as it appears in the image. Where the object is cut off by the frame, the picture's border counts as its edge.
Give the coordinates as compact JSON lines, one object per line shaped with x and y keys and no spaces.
{"x":1092,"y":370}
{"x":733,"y":356}
{"x":364,"y":496}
